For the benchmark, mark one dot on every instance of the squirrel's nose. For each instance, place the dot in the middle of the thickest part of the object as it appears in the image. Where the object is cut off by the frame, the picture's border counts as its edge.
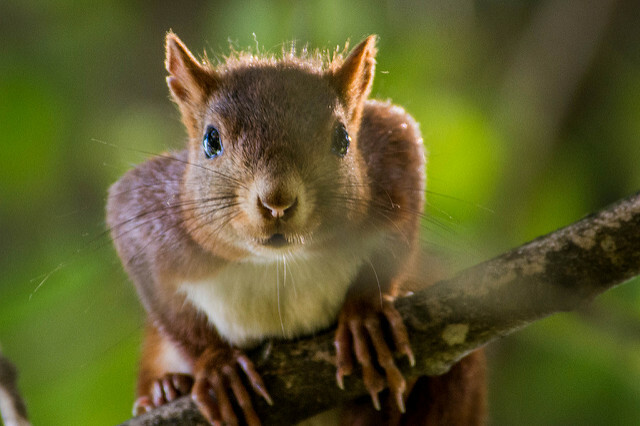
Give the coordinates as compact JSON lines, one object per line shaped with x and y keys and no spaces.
{"x":277,"y":206}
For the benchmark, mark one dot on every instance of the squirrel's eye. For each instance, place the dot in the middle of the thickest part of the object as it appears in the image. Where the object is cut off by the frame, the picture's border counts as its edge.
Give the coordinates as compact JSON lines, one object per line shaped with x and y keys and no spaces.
{"x":340,"y":142}
{"x":212,"y":144}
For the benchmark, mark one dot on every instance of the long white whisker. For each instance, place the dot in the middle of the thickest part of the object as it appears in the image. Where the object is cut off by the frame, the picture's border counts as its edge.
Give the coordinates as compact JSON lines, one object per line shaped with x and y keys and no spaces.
{"x":46,"y":277}
{"x":377,"y":280}
{"x":284,"y":264}
{"x":293,"y":282}
{"x":278,"y":294}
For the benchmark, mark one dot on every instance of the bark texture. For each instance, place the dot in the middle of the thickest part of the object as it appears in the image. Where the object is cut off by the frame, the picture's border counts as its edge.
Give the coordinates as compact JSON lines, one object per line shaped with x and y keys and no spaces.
{"x":13,"y":411}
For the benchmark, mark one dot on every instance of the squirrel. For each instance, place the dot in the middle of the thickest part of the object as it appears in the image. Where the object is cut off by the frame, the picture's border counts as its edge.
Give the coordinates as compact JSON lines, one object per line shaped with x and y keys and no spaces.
{"x":296,"y":204}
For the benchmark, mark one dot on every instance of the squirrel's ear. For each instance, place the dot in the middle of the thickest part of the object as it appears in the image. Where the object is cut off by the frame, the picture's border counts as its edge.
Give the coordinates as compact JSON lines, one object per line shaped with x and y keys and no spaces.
{"x":354,"y":77}
{"x":189,"y":81}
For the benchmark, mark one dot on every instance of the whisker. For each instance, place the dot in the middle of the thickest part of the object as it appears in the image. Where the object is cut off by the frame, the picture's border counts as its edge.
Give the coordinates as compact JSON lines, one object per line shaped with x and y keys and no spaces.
{"x":460,"y":200}
{"x":377,"y":280}
{"x":167,"y":210}
{"x":213,"y":232}
{"x":278,"y":296}
{"x":232,"y":179}
{"x":46,"y":277}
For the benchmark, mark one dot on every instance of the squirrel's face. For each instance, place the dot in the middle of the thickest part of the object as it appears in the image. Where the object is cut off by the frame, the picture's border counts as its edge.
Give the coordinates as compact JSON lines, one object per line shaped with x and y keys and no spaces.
{"x":274,"y":165}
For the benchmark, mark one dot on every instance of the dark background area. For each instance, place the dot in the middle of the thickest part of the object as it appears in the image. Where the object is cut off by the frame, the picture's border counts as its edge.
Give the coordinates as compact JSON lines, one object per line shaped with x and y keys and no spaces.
{"x":530,"y":111}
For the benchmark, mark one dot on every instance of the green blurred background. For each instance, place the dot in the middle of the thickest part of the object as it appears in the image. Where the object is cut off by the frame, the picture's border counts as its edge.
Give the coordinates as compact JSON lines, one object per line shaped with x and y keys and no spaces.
{"x":530,"y":109}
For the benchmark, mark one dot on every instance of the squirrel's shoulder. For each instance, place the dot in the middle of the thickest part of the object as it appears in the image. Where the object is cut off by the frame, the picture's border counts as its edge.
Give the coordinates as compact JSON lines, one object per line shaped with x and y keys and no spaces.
{"x":147,"y":191}
{"x":391,"y":142}
{"x":383,"y":119}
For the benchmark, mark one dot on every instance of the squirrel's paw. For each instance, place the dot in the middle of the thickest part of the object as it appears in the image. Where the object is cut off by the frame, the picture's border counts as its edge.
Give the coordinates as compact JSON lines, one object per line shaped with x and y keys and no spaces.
{"x":360,"y":329}
{"x":163,"y":390}
{"x":217,"y":381}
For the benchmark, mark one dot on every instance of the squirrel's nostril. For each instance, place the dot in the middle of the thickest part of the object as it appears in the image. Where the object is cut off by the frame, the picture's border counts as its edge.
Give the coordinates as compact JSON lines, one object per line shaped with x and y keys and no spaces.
{"x":278,"y":207}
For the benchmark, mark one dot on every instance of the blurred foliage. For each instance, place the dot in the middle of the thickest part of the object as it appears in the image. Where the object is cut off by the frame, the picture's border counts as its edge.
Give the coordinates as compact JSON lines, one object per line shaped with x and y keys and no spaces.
{"x":530,"y":110}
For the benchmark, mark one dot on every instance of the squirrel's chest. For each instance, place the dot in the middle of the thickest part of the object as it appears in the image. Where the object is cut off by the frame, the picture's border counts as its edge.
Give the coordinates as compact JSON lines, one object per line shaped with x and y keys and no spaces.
{"x":248,"y":302}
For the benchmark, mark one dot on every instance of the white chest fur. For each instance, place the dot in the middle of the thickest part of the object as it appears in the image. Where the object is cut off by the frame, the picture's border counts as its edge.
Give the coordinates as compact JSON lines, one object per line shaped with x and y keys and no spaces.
{"x":248,"y":302}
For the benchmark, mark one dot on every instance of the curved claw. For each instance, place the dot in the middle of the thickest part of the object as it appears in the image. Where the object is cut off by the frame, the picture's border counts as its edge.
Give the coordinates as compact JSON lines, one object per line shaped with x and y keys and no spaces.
{"x":242,"y":396}
{"x":359,"y":329}
{"x":142,"y":405}
{"x":218,"y":385}
{"x":157,"y":395}
{"x":373,"y":381}
{"x":398,"y":330}
{"x":344,"y":361}
{"x":169,"y":390}
{"x":222,"y":398}
{"x":202,"y":398}
{"x":253,"y":376}
{"x":163,"y":390}
{"x":397,"y":384}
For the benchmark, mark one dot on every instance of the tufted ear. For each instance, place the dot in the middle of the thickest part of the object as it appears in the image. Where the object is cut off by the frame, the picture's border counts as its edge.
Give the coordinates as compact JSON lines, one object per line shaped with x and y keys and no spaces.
{"x":353,"y":78}
{"x":189,"y":81}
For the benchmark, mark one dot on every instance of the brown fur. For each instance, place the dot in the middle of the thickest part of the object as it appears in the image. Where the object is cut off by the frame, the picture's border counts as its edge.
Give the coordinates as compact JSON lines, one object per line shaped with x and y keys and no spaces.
{"x":181,"y":217}
{"x":455,"y":398}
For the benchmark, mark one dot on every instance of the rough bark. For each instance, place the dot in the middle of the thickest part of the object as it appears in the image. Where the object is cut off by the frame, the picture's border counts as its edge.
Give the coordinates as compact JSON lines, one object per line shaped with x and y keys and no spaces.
{"x":13,"y":411}
{"x":554,"y":273}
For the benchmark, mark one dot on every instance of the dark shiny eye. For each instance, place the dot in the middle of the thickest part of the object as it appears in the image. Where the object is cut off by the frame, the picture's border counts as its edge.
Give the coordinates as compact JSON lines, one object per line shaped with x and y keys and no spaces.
{"x":340,"y":142}
{"x":212,"y":144}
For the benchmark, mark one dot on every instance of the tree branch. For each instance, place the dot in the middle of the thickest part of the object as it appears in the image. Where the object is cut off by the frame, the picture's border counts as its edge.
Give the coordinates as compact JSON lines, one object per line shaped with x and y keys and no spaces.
{"x":13,"y":411}
{"x":446,"y":321}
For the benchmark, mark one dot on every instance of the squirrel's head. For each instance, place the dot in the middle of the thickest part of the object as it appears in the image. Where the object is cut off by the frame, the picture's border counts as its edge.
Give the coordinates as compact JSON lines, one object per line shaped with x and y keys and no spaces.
{"x":274,"y":165}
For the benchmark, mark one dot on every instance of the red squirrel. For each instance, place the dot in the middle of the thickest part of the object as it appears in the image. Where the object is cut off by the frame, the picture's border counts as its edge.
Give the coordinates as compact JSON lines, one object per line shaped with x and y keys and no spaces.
{"x":296,"y":204}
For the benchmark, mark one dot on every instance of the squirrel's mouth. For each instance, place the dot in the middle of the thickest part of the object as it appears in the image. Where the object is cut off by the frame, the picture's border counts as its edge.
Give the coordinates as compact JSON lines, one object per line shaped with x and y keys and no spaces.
{"x":276,"y":241}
